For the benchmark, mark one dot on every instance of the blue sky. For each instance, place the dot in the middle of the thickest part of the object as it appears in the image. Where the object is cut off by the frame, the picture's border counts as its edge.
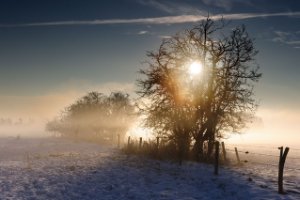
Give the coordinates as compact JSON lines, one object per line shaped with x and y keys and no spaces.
{"x":59,"y":49}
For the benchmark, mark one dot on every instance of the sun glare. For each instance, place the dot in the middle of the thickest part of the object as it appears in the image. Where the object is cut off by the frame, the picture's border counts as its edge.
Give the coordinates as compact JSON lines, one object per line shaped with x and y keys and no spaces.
{"x":195,"y":68}
{"x":137,"y":131}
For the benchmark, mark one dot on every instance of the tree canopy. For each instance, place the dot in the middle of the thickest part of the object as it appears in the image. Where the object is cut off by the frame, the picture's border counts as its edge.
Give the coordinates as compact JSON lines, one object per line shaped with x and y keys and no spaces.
{"x":190,"y":108}
{"x":96,"y":115}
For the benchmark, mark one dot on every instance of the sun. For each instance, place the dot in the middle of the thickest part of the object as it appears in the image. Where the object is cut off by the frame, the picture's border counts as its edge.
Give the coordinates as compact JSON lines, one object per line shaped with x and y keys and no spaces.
{"x":195,"y":68}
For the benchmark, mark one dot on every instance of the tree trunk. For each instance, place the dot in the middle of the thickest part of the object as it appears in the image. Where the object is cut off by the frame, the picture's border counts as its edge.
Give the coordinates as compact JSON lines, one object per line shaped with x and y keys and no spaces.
{"x":198,"y":149}
{"x":210,"y":148}
{"x":183,"y":146}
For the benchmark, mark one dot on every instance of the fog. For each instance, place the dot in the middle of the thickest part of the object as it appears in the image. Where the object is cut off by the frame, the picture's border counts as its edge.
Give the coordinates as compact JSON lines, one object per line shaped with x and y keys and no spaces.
{"x":273,"y":125}
{"x":30,"y":128}
{"x":42,"y":108}
{"x":278,"y":126}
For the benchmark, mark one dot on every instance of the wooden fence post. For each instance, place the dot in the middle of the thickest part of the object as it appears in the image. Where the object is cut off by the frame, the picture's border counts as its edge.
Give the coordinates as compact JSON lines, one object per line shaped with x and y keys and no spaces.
{"x":28,"y":161}
{"x":118,"y":141}
{"x":216,"y":158}
{"x":224,"y":152}
{"x":157,"y":147}
{"x":140,"y":144}
{"x":282,"y":158}
{"x":237,"y":155}
{"x":128,"y":142}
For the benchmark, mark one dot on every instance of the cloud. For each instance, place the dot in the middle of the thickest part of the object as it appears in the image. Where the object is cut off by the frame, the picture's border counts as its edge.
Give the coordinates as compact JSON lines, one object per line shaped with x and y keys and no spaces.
{"x":171,"y":7}
{"x":288,"y":38}
{"x":143,"y":32}
{"x":227,"y":4}
{"x":165,"y":36}
{"x":219,"y":3}
{"x":158,"y":5}
{"x":294,"y":42}
{"x":158,"y":20}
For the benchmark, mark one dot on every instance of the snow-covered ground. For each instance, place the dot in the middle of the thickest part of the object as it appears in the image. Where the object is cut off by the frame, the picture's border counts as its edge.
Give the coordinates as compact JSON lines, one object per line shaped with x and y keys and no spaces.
{"x":60,"y":169}
{"x":262,"y":161}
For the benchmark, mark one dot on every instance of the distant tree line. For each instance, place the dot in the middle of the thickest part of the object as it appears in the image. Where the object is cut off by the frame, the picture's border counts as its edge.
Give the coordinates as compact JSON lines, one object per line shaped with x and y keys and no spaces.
{"x":96,"y":117}
{"x":6,"y":121}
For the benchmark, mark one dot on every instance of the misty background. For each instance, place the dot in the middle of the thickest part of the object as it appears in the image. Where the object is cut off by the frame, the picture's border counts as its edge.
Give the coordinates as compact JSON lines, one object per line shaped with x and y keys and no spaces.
{"x":44,"y":67}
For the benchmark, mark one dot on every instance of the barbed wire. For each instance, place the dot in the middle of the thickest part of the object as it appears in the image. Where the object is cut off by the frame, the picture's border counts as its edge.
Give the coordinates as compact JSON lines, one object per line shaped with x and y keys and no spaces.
{"x":229,"y":150}
{"x":248,"y":152}
{"x":251,"y":146}
{"x":294,"y":158}
{"x":268,"y":164}
{"x":262,"y":154}
{"x":292,"y":169}
{"x":242,"y":146}
{"x":295,"y":149}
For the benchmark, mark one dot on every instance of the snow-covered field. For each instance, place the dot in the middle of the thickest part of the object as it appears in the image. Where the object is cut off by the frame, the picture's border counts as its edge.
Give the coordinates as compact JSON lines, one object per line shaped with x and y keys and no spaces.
{"x":262,"y":161}
{"x":59,"y":169}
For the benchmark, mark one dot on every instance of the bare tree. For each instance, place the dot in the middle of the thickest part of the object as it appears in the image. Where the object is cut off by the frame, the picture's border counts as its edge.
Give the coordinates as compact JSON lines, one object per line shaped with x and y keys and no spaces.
{"x":197,"y":108}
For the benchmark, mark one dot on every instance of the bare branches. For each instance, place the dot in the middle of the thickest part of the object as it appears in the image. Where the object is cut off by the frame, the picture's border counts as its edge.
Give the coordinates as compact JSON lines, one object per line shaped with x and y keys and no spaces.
{"x":211,"y":104}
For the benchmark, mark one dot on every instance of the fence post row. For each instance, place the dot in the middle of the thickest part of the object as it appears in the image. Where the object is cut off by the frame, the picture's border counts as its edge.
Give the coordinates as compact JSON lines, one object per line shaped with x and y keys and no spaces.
{"x":282,"y":158}
{"x":216,"y":172}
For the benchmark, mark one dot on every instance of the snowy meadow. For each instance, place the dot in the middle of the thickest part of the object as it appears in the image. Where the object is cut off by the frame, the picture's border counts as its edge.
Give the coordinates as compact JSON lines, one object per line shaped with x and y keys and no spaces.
{"x":51,"y":168}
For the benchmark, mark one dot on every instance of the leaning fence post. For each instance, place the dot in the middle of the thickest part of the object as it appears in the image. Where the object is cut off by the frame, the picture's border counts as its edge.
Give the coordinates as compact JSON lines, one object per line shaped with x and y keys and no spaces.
{"x":282,"y":158}
{"x":237,"y":155}
{"x":217,"y":158}
{"x":224,"y":151}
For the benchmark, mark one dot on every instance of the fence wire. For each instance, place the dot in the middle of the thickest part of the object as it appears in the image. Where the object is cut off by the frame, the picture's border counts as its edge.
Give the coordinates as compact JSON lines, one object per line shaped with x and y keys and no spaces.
{"x":248,"y":153}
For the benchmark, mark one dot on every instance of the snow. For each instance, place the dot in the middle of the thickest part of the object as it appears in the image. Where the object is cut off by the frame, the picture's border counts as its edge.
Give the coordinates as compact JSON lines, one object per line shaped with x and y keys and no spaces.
{"x":262,"y":161}
{"x":59,"y":169}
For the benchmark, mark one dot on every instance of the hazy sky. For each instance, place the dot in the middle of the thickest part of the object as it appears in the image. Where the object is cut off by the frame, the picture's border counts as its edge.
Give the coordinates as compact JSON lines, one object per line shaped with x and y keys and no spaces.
{"x":53,"y":51}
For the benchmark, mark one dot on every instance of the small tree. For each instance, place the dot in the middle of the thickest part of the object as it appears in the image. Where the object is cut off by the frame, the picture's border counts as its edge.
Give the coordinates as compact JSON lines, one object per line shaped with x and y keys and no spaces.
{"x":188,"y":107}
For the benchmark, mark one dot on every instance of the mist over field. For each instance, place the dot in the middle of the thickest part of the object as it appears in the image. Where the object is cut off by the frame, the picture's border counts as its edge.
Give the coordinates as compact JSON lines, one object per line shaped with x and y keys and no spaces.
{"x":28,"y":115}
{"x":282,"y":127}
{"x":149,"y":99}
